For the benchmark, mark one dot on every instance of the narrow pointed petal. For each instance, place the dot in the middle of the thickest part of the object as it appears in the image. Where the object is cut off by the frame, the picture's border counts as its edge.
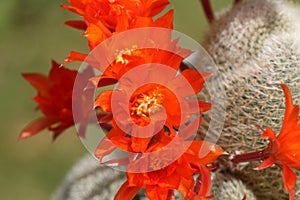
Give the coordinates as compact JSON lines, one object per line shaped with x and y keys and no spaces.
{"x":73,"y":9}
{"x":195,"y":78}
{"x":196,"y":106}
{"x":104,"y":148}
{"x":204,"y":106}
{"x":36,"y":126}
{"x":288,"y":103}
{"x":289,"y":179}
{"x":39,"y":82}
{"x":78,"y":24}
{"x":122,"y":22}
{"x":205,"y":181}
{"x":109,"y":143}
{"x":117,"y":162}
{"x":244,"y":197}
{"x":96,"y":33}
{"x":103,"y":101}
{"x":152,"y":8}
{"x":268,"y":134}
{"x":166,"y":20}
{"x":126,"y":192}
{"x":62,"y":76}
{"x":75,"y":56}
{"x":267,"y":163}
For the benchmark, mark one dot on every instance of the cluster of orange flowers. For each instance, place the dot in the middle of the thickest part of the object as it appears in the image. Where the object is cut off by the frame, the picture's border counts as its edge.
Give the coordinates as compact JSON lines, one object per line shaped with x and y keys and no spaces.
{"x":161,"y":173}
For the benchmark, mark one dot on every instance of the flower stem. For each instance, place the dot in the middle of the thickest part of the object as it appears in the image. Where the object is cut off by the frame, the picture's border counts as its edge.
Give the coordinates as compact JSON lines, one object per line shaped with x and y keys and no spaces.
{"x":208,"y":10}
{"x":253,"y":156}
{"x":237,"y":1}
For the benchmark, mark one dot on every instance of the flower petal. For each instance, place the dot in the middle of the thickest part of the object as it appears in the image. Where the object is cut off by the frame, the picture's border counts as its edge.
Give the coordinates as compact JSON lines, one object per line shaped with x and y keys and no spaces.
{"x":291,"y":124}
{"x":165,"y":21}
{"x":157,"y":193}
{"x":78,"y":24}
{"x":36,"y":126}
{"x":288,"y":104}
{"x":289,"y":179}
{"x":103,"y":101}
{"x":269,"y":133}
{"x":202,"y":152}
{"x":76,"y":7}
{"x":115,"y":138}
{"x":126,"y":192}
{"x":140,"y":144}
{"x":205,"y":181}
{"x":153,"y":7}
{"x":117,"y":162}
{"x":39,"y":82}
{"x":96,"y":33}
{"x":122,"y":21}
{"x":195,"y":78}
{"x":267,"y":163}
{"x":75,"y":56}
{"x":104,"y":148}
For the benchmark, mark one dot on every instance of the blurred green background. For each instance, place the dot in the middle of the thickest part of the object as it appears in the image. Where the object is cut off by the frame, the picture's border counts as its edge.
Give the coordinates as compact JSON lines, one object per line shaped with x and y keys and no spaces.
{"x":32,"y":33}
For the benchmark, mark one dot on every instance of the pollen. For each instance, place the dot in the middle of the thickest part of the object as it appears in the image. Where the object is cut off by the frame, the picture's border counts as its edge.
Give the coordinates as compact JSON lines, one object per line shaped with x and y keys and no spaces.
{"x":127,"y":51}
{"x":147,"y":103}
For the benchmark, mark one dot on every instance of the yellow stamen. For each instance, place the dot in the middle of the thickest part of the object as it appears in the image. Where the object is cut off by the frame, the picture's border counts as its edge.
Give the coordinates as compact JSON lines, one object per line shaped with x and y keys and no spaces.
{"x":119,"y":54}
{"x":148,"y":103}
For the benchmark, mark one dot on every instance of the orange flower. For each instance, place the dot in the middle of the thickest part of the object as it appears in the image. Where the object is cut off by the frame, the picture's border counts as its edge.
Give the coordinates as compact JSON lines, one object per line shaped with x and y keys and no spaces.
{"x":149,"y":101}
{"x":54,"y":99}
{"x":96,"y":34}
{"x":164,"y":104}
{"x":128,"y":59}
{"x":176,"y":176}
{"x":284,"y":149}
{"x":102,"y":18}
{"x":112,"y":12}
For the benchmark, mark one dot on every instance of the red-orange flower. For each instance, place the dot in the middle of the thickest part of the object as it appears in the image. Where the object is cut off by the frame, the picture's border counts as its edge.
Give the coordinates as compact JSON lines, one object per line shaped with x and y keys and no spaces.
{"x":105,"y":17}
{"x":97,"y":32}
{"x":112,"y":12}
{"x":96,"y":35}
{"x":178,"y":175}
{"x":128,"y":59}
{"x":284,"y":149}
{"x":153,"y":106}
{"x":54,"y":100}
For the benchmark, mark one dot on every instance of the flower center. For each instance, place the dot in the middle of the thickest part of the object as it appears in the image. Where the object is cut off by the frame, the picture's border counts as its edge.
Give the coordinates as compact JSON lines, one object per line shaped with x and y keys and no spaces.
{"x":120,"y":53}
{"x":147,"y":103}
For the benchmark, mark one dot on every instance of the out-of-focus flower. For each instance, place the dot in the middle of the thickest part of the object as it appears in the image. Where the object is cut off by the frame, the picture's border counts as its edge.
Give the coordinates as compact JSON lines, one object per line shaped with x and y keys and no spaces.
{"x":284,"y":149}
{"x":54,"y":100}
